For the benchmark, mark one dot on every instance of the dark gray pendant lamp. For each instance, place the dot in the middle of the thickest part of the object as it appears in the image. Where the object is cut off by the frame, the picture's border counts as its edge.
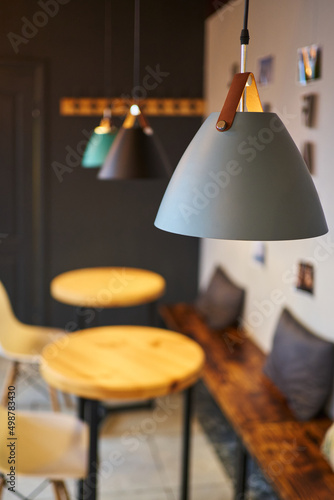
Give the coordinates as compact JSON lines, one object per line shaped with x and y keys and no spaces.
{"x":136,"y":153}
{"x":242,"y":176}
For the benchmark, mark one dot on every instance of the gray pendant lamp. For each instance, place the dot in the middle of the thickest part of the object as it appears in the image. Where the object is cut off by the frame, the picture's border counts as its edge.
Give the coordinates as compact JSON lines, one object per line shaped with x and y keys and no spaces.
{"x":242,"y":176}
{"x":136,"y":153}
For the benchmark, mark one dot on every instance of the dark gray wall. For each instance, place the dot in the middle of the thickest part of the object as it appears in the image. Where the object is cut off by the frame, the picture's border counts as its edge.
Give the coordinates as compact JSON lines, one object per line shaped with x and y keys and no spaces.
{"x":90,"y":222}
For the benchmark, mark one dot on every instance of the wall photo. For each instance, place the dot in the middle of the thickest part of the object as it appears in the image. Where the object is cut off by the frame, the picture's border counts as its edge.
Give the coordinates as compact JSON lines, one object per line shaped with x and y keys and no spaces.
{"x":305,"y":277}
{"x":309,"y":64}
{"x":265,"y":70}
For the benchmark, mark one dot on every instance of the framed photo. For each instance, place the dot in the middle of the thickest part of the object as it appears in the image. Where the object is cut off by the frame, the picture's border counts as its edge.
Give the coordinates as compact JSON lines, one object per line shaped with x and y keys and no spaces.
{"x":309,"y":64}
{"x":259,"y":253}
{"x":309,"y":104}
{"x":266,"y":69}
{"x":266,"y":107}
{"x":305,"y":278}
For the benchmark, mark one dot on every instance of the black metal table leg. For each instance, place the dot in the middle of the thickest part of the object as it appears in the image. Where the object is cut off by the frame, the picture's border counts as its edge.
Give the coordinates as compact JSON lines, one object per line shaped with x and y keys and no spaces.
{"x":81,"y":415}
{"x":186,"y":443}
{"x":241,"y":476}
{"x":153,"y":313}
{"x":86,"y":317}
{"x":89,"y":487}
{"x":81,"y":408}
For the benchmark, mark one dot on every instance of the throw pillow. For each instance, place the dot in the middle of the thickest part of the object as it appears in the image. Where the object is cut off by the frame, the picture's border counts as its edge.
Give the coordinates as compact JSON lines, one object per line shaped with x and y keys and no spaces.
{"x":301,"y":366}
{"x":221,"y":304}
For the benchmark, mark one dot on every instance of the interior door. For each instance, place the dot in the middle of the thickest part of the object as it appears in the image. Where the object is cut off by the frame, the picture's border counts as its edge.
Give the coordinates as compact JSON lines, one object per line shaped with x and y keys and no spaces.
{"x":21,"y":186}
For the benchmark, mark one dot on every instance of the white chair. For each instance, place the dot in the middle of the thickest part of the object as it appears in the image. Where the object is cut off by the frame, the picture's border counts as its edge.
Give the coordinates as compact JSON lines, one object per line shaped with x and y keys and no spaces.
{"x":21,"y":343}
{"x":51,"y":445}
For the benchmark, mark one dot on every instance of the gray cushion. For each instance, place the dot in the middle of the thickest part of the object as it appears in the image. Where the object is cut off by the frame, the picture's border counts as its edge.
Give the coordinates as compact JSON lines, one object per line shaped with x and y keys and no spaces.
{"x":301,"y":366}
{"x":221,"y":304}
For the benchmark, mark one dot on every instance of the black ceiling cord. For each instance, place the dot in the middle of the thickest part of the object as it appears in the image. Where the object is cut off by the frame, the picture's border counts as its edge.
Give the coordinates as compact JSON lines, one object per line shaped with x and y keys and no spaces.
{"x":107,"y":49}
{"x":244,"y":37}
{"x":136,"y":59}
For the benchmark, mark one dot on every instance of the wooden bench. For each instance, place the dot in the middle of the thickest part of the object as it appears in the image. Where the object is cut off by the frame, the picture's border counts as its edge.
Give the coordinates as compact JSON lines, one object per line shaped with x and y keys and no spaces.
{"x":287,"y":450}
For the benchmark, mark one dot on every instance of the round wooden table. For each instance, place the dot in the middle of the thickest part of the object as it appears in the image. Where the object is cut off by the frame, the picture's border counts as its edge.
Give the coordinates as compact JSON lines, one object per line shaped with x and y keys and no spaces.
{"x":107,"y":287}
{"x":96,"y":288}
{"x":123,"y":362}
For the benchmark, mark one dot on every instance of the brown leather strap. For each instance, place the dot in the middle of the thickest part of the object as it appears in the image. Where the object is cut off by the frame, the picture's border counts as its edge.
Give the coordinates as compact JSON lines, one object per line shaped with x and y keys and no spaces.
{"x":143,"y":120}
{"x":232,"y":100}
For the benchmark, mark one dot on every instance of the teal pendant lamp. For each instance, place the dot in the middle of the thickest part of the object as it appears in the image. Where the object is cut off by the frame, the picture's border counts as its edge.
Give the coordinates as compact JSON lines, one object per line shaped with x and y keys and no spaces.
{"x":103,"y":136}
{"x":242,"y":176}
{"x":99,"y":142}
{"x":136,"y":152}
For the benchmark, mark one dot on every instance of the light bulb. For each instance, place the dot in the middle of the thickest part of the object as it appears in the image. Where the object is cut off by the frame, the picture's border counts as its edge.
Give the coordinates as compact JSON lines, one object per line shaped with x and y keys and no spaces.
{"x":135,"y":110}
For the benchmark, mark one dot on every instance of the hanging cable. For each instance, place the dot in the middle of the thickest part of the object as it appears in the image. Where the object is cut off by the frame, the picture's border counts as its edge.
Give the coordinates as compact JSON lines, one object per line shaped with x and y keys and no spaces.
{"x":107,"y":49}
{"x":244,"y":37}
{"x":136,"y":52}
{"x":107,"y":62}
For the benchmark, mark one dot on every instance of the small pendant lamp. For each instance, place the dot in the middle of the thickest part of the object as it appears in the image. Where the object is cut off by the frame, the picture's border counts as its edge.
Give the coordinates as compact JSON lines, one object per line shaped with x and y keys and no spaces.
{"x":136,"y":152}
{"x":99,"y":142}
{"x":103,"y":136}
{"x":242,"y":176}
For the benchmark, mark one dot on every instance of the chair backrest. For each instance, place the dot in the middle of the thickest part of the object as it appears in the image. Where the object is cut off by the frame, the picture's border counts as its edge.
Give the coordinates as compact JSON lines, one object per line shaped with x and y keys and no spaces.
{"x":7,"y":316}
{"x":3,"y":414}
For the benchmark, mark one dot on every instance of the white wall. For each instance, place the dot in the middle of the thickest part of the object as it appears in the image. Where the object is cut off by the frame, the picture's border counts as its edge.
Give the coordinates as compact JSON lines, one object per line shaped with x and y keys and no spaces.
{"x":279,"y":28}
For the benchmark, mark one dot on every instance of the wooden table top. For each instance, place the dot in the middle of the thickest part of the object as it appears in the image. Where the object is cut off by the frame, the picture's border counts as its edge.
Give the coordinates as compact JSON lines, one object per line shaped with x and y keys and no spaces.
{"x":107,"y":287}
{"x":122,"y":362}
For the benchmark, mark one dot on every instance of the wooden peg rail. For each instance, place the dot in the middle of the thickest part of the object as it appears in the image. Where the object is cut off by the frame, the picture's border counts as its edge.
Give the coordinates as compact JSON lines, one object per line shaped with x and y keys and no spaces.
{"x":94,"y":106}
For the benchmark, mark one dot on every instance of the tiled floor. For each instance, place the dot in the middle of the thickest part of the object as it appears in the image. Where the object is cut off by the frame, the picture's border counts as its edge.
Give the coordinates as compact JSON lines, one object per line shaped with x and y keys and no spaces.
{"x":139,"y":453}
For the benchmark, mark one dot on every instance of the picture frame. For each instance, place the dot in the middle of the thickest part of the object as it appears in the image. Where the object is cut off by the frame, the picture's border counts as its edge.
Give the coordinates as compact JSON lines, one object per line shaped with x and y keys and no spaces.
{"x":309,"y":64}
{"x":305,"y":277}
{"x":265,"y":70}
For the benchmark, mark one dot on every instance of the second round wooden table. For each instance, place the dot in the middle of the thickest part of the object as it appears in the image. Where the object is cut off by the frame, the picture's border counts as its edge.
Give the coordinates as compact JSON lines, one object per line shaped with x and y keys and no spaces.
{"x":123,"y":362}
{"x":108,"y":287}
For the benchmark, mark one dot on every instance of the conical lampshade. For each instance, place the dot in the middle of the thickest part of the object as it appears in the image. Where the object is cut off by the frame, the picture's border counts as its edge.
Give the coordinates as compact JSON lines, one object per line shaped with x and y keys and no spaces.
{"x":247,"y":183}
{"x":136,"y":153}
{"x":97,"y":148}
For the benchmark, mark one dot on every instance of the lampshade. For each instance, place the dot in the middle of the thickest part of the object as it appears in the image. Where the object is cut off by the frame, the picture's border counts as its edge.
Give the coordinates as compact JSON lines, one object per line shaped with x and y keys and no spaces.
{"x":97,"y":147}
{"x":136,"y":153}
{"x":247,"y":183}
